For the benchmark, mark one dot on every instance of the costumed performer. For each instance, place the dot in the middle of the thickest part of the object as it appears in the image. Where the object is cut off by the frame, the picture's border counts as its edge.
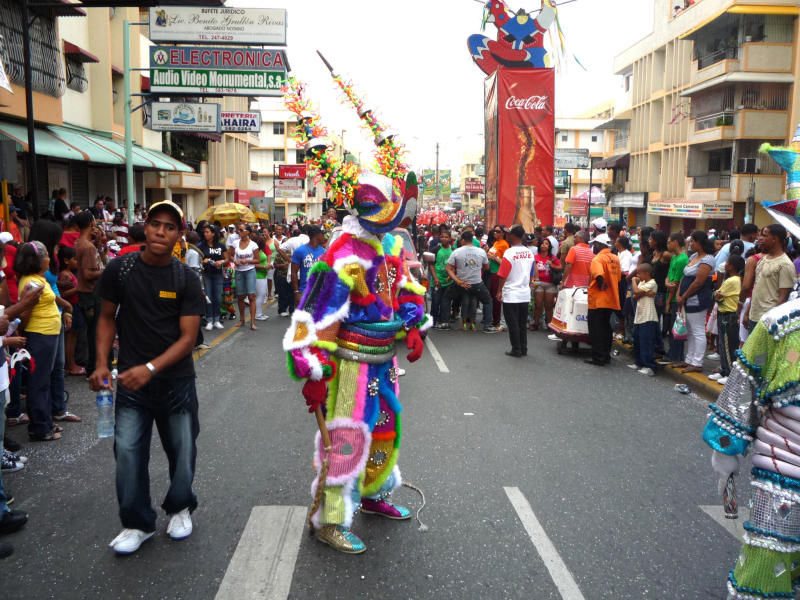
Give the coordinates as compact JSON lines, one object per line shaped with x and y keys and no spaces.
{"x":359,"y":302}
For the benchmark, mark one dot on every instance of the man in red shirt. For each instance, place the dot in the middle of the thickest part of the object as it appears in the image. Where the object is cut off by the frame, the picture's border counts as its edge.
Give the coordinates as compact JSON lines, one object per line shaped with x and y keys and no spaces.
{"x":578,"y":263}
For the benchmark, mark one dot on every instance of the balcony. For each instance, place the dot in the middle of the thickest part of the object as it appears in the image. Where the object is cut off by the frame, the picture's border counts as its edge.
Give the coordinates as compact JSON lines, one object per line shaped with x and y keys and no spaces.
{"x":622,"y":140}
{"x":712,"y":181}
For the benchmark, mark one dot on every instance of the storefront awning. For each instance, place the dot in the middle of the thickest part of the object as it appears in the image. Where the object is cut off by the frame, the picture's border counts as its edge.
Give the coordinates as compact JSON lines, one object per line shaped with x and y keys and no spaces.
{"x":719,"y":209}
{"x":76,"y":144}
{"x":620,"y":161}
{"x":78,"y":54}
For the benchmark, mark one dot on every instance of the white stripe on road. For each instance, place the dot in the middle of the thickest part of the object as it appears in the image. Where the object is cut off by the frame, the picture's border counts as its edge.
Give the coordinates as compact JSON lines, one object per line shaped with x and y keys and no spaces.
{"x":263,"y":564}
{"x":558,"y":570}
{"x":732,"y":526}
{"x":437,"y":358}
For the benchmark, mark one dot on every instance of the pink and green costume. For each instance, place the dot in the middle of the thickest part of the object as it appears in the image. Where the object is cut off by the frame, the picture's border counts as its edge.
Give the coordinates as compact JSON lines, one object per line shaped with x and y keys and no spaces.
{"x":359,"y":302}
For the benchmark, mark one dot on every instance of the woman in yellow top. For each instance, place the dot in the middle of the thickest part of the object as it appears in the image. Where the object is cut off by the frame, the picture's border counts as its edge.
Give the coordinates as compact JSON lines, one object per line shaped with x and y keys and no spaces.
{"x":499,"y":245}
{"x":42,"y":326}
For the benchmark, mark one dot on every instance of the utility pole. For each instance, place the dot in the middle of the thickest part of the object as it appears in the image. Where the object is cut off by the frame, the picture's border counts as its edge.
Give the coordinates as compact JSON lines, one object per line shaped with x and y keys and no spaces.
{"x":438,"y":188}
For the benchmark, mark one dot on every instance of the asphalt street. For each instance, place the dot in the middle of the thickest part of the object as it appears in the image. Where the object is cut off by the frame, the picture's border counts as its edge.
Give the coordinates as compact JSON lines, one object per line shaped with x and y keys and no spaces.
{"x":609,"y":463}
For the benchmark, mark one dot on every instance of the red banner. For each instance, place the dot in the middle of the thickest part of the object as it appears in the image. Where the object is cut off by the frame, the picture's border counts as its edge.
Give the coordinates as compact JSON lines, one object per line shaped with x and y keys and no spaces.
{"x":292,"y":171}
{"x":520,"y":119}
{"x":473,"y":186}
{"x":243,"y":196}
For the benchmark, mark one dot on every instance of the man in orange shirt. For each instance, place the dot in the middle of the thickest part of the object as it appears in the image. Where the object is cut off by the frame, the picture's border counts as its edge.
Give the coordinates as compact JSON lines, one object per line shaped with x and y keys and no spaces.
{"x":578,"y":263}
{"x":605,"y":274}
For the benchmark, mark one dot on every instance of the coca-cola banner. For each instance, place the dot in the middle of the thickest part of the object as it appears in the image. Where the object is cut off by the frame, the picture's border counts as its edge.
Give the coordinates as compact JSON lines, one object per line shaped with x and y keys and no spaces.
{"x":523,"y":144}
{"x":292,"y":171}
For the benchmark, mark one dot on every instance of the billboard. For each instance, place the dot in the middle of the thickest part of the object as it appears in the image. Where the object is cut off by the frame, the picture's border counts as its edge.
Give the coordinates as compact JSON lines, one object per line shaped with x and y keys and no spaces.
{"x":217,"y":70}
{"x":429,"y":182}
{"x":185,"y":116}
{"x":473,"y":186}
{"x":292,"y":171}
{"x":445,"y":182}
{"x":572,"y":158}
{"x":520,"y":121}
{"x":240,"y":122}
{"x":218,"y":25}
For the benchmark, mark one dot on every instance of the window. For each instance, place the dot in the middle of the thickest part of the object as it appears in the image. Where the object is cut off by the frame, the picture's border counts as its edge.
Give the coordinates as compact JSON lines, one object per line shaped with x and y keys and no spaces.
{"x":76,"y":75}
{"x":628,"y":79}
{"x":277,"y":129}
{"x":278,"y":155}
{"x":594,"y":138}
{"x":563,"y":138}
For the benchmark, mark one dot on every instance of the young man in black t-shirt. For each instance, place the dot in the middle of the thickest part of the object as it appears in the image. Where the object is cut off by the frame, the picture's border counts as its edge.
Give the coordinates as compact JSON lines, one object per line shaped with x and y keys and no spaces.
{"x":160,"y":302}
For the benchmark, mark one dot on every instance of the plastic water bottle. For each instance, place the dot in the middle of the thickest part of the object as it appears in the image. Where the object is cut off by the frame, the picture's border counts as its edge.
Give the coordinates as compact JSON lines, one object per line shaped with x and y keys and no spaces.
{"x":12,"y":327}
{"x":105,"y":412}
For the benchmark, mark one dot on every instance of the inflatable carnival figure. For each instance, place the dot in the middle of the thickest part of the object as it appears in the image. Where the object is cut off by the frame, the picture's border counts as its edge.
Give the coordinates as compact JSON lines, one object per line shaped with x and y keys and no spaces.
{"x":360,"y":303}
{"x":759,"y":409}
{"x":520,"y":38}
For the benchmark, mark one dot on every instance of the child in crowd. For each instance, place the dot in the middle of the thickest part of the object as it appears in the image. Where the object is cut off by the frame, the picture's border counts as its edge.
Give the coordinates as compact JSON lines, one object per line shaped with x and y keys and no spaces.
{"x":68,"y":288}
{"x":727,"y":297}
{"x":645,"y":321}
{"x":228,"y":289}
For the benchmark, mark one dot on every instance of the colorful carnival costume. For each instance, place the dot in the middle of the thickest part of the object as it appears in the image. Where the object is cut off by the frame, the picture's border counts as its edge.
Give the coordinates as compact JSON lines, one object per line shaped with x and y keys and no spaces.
{"x":360,"y":300}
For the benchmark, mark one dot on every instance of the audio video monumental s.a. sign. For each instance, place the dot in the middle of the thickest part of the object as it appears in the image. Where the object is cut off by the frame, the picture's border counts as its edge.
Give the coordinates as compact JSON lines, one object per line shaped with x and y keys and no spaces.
{"x":217,"y":70}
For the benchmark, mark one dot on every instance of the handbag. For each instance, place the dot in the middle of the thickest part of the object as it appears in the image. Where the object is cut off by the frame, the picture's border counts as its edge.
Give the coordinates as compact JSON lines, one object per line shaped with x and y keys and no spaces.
{"x":679,"y":331}
{"x":556,"y":277}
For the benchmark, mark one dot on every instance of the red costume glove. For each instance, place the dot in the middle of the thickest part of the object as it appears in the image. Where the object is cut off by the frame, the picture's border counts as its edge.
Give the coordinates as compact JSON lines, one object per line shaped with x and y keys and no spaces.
{"x":315,"y":393}
{"x":414,"y":343}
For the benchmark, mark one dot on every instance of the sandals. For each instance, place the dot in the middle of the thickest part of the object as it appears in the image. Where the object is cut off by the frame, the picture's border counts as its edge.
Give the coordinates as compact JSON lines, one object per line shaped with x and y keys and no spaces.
{"x":57,"y":429}
{"x":38,"y":437}
{"x":67,"y":416}
{"x":80,"y":372}
{"x":691,"y":369}
{"x":22,"y":419}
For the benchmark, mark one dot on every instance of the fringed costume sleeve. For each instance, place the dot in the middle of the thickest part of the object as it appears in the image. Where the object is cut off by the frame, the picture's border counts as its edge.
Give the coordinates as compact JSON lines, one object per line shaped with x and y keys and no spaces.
{"x":410,"y":297}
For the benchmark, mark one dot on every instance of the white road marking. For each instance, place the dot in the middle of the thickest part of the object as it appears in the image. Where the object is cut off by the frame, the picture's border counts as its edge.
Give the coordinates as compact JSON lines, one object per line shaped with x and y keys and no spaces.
{"x":732,"y":526}
{"x":263,"y":564}
{"x":469,"y":414}
{"x":437,"y":358}
{"x":552,"y":560}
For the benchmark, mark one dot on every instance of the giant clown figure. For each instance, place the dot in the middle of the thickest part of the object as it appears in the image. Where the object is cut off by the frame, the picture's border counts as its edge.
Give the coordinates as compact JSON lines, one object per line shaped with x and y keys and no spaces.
{"x":360,"y":302}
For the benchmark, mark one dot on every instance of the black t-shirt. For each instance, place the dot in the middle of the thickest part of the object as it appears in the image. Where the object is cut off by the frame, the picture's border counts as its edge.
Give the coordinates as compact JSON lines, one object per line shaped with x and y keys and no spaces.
{"x":150,"y":308}
{"x":215,"y":253}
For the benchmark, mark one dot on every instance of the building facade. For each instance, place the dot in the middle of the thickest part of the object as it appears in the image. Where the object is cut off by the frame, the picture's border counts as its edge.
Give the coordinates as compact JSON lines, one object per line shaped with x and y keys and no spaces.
{"x":712,"y":82}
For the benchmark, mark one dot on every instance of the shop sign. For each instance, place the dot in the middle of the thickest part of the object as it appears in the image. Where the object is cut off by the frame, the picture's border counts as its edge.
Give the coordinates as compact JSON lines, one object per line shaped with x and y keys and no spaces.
{"x":185,"y":116}
{"x":473,"y":186}
{"x":220,"y":25}
{"x":572,"y":158}
{"x":721,"y":209}
{"x":240,"y":122}
{"x":561,"y":180}
{"x":292,"y":171}
{"x":627,"y":200}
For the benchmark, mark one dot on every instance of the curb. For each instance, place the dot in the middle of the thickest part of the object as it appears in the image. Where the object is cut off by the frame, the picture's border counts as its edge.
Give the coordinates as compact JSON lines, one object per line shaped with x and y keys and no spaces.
{"x":698,"y":382}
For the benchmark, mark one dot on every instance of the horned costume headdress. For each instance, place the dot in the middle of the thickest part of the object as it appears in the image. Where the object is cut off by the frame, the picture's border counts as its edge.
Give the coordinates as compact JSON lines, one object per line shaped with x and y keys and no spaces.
{"x":377,"y":199}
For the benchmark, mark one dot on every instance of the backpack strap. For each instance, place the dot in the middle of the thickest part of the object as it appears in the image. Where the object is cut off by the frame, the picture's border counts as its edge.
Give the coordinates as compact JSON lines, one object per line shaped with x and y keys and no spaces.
{"x":128,"y":264}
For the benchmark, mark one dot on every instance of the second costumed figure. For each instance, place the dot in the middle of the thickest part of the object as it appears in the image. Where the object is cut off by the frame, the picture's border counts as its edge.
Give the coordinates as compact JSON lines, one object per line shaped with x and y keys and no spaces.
{"x":359,"y":303}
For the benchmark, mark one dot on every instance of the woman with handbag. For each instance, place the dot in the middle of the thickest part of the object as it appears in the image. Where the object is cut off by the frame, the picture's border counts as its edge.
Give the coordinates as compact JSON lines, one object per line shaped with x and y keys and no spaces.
{"x":695,"y":297}
{"x":547,"y":276}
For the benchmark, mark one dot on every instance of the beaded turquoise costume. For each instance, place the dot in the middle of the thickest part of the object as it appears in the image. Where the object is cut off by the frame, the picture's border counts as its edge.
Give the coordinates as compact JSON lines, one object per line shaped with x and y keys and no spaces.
{"x":759,"y":408}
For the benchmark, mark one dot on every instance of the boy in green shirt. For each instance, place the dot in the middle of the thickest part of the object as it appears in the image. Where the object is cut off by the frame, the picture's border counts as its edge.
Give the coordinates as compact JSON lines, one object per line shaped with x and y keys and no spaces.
{"x":677,"y":246}
{"x":441,"y":280}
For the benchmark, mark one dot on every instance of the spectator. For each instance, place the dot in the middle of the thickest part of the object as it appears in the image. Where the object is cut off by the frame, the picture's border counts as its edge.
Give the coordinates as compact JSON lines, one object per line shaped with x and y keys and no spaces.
{"x":545,"y":290}
{"x":677,"y":264}
{"x":727,"y":317}
{"x":97,"y":209}
{"x":441,"y":282}
{"x":514,"y":290}
{"x":282,"y":287}
{"x":119,"y":230}
{"x":695,"y":298}
{"x":749,"y":234}
{"x":137,"y":240}
{"x":568,"y":243}
{"x":262,"y":271}
{"x":151,"y":369}
{"x":498,"y":247}
{"x":42,"y":333}
{"x":213,"y":262}
{"x":20,"y":214}
{"x":288,"y":246}
{"x":70,"y":233}
{"x":774,"y":275}
{"x":245,"y":259}
{"x":660,"y":258}
{"x":68,"y":287}
{"x":623,"y":251}
{"x":603,"y":299}
{"x":304,"y":258}
{"x":578,"y":263}
{"x":465,"y":267}
{"x":645,"y":322}
{"x":89,"y":272}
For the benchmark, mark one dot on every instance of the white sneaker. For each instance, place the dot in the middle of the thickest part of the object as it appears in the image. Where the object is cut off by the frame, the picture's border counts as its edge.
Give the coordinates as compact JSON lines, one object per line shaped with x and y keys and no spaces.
{"x":722,"y":380}
{"x":400,"y":372}
{"x":647,"y":371}
{"x":129,"y":541}
{"x":209,"y":326}
{"x":715,"y":376}
{"x":553,"y":338}
{"x":262,"y":317}
{"x":284,"y":314}
{"x":633,"y":366}
{"x":218,"y":325}
{"x":713,"y":356}
{"x":180,"y":525}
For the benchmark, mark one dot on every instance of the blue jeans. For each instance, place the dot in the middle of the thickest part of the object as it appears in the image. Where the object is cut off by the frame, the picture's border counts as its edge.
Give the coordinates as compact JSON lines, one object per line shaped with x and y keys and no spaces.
{"x":644,"y":343}
{"x":214,"y":293}
{"x":437,"y":302}
{"x":676,"y":347}
{"x":172,"y":404}
{"x":40,"y":401}
{"x":59,"y":400}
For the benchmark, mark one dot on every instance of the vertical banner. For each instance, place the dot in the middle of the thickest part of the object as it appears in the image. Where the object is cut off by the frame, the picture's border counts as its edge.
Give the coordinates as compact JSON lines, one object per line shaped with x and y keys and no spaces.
{"x":492,"y":149}
{"x":525,"y":129}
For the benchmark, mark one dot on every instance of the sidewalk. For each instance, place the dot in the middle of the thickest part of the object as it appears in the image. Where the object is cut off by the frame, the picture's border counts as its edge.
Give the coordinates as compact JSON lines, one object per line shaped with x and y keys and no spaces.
{"x":698,"y":382}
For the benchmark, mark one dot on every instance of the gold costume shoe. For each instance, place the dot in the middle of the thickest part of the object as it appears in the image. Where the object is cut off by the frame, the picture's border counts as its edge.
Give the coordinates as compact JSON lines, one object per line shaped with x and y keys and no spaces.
{"x":341,"y":539}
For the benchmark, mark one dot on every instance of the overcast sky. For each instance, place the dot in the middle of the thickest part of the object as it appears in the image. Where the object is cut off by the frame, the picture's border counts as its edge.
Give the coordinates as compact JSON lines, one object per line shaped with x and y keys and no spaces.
{"x":409,"y":59}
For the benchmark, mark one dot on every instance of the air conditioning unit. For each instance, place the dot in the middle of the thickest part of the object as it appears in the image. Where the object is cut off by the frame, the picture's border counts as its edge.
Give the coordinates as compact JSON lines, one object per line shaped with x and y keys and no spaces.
{"x":747,"y":165}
